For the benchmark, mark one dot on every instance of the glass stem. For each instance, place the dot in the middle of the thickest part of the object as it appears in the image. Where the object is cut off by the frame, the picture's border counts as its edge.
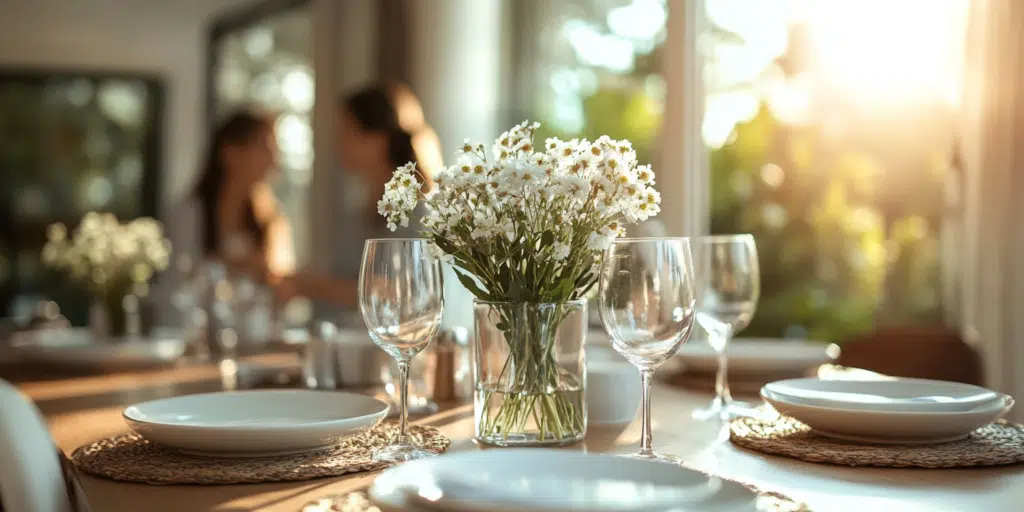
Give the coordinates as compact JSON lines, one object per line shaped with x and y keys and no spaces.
{"x":403,"y":411}
{"x":722,"y":377}
{"x":645,"y":426}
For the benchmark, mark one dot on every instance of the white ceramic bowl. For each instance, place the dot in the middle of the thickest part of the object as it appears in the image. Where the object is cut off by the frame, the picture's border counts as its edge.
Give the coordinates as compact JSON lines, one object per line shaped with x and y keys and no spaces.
{"x":77,"y":347}
{"x":613,"y":393}
{"x":891,"y":427}
{"x":255,"y":423}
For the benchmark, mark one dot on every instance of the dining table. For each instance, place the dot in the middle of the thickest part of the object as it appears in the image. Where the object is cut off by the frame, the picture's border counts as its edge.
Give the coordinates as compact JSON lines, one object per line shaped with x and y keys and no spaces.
{"x":83,"y":409}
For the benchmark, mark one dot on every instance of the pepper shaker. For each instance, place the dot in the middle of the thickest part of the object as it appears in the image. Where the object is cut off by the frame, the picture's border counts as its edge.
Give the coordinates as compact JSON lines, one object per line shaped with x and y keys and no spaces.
{"x":444,"y":367}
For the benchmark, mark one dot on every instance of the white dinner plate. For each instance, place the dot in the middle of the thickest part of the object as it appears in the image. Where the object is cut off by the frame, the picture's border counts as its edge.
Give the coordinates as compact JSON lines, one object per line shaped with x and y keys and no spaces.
{"x":890,"y":426}
{"x":255,"y":423}
{"x":550,"y":480}
{"x":883,"y":395}
{"x":77,"y":347}
{"x":759,"y":355}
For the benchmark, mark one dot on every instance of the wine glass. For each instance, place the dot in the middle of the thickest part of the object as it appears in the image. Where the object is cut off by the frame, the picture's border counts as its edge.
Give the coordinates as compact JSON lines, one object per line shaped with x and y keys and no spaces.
{"x":647,"y":302}
{"x":401,"y":299}
{"x":728,"y":288}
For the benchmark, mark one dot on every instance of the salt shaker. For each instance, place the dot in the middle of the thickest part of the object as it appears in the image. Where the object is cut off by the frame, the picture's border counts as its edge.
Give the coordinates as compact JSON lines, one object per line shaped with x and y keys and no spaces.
{"x":319,"y":368}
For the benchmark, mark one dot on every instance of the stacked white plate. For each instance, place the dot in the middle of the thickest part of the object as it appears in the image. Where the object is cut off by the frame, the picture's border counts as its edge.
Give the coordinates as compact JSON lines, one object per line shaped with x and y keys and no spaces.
{"x":76,"y":347}
{"x":552,"y":480}
{"x":759,"y":356}
{"x":897,"y":411}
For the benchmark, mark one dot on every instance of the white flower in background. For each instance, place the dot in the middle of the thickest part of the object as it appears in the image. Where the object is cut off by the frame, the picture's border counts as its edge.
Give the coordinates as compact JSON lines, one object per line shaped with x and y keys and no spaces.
{"x":443,"y":178}
{"x":484,"y":226}
{"x":435,"y":251}
{"x":598,"y":242}
{"x":106,"y":255}
{"x":509,"y":230}
{"x":401,"y":193}
{"x":530,"y":175}
{"x":592,"y":154}
{"x":560,"y":251}
{"x":576,"y":187}
{"x":466,"y":148}
{"x":56,"y":232}
{"x":645,"y":175}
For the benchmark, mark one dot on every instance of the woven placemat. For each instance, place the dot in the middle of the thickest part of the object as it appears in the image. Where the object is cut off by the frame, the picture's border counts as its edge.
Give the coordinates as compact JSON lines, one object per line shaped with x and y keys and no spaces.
{"x":130,"y":458}
{"x":995,"y":444}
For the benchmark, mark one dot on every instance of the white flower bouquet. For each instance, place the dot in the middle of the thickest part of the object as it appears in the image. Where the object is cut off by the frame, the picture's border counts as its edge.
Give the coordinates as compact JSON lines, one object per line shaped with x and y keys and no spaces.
{"x":528,"y":225}
{"x":110,"y":260}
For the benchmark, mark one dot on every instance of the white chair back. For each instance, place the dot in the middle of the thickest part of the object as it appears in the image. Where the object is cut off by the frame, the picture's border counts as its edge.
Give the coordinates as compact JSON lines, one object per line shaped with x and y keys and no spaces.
{"x":31,"y":478}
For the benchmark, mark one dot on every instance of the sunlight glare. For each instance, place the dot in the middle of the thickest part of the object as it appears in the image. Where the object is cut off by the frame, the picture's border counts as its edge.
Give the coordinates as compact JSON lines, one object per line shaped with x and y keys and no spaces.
{"x":886,"y":51}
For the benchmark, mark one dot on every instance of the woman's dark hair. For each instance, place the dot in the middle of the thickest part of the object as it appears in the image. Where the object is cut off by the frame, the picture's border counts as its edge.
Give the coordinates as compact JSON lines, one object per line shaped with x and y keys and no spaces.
{"x":239,"y":128}
{"x":376,"y":109}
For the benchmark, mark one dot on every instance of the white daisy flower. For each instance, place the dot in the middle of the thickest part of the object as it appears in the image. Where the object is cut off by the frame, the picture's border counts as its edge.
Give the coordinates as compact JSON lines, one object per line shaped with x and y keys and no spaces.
{"x":560,"y":251}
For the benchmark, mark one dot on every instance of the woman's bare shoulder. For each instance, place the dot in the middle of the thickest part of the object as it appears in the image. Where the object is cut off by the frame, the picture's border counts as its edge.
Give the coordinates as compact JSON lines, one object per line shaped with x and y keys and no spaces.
{"x":264,"y":203}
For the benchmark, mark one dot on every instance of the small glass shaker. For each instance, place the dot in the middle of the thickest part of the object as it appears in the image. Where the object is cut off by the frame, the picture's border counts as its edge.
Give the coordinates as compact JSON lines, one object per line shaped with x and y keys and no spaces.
{"x":319,"y":366}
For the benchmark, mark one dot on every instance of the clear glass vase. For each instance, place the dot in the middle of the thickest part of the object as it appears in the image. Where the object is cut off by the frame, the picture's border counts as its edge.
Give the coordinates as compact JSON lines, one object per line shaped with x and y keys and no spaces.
{"x":530,"y":374}
{"x":107,"y":317}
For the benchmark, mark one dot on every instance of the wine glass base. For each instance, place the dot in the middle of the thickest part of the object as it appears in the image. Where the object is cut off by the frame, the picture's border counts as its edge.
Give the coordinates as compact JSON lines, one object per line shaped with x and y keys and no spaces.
{"x":654,"y":457}
{"x":725,"y":411}
{"x":401,"y":453}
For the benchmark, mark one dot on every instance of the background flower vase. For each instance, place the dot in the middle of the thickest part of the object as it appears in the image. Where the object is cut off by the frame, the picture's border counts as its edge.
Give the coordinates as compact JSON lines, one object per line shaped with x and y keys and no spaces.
{"x":525,"y":228}
{"x":107,"y":316}
{"x":530,"y":373}
{"x":113,"y":263}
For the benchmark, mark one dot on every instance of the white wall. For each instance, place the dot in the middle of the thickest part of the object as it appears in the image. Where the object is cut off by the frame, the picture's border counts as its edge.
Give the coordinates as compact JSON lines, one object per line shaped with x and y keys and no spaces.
{"x":164,"y":38}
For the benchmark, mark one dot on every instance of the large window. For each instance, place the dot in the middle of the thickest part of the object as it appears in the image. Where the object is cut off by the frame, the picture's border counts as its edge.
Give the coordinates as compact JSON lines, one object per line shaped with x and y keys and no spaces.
{"x":592,"y":67}
{"x":829,"y":127}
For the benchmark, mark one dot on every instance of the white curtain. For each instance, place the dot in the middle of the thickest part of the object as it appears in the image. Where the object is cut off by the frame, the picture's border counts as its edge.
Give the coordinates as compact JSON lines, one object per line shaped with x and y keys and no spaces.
{"x":992,"y":262}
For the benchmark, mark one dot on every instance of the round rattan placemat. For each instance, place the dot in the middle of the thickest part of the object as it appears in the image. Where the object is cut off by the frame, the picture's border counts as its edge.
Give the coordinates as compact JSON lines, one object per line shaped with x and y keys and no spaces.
{"x":130,"y":458}
{"x":995,"y":444}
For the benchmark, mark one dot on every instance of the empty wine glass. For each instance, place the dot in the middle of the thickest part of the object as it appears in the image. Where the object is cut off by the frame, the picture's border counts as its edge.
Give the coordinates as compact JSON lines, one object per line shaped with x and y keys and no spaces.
{"x":646,"y":299}
{"x":401,"y":299}
{"x":728,"y":289}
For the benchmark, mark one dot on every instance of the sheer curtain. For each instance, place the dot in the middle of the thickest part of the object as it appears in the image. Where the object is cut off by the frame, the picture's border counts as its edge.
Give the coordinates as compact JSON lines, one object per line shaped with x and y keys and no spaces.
{"x":993,"y":246}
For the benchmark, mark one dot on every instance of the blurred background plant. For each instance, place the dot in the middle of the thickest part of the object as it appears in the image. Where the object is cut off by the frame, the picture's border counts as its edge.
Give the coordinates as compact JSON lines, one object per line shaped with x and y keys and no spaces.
{"x":106,"y":257}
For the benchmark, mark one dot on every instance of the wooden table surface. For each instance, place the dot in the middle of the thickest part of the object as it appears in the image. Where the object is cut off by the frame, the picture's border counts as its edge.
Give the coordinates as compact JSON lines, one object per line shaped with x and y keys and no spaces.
{"x":84,"y":409}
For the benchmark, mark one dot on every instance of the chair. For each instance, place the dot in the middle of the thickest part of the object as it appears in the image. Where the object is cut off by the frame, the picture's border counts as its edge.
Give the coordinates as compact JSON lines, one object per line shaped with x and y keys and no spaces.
{"x":926,"y":353}
{"x":31,"y":477}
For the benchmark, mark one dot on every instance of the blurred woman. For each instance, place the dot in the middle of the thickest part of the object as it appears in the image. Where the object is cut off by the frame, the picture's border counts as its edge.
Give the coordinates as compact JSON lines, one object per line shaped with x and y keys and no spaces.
{"x":242,"y":225}
{"x":380,"y":128}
